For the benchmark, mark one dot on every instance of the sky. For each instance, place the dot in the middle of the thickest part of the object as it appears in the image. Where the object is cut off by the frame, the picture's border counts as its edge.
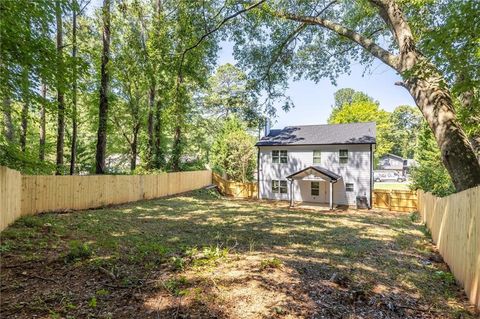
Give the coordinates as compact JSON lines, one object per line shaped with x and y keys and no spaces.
{"x":313,"y":101}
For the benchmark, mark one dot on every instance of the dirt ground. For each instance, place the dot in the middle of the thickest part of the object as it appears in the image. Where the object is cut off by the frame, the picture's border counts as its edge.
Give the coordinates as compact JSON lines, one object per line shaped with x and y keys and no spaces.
{"x":204,"y":256}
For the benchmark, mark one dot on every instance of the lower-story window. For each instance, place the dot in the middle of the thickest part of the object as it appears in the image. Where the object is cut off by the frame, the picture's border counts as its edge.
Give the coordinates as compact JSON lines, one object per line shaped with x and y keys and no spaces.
{"x":279,"y":187}
{"x":315,"y":188}
{"x":349,"y":187}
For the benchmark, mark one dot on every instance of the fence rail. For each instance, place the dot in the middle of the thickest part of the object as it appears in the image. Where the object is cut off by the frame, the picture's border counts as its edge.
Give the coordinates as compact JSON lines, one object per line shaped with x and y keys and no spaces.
{"x":399,"y":200}
{"x":235,"y":189}
{"x":27,"y":195}
{"x":454,"y":222}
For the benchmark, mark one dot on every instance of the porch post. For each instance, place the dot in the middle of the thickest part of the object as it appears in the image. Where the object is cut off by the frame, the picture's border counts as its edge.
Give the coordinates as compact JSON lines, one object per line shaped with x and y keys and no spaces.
{"x":331,"y":195}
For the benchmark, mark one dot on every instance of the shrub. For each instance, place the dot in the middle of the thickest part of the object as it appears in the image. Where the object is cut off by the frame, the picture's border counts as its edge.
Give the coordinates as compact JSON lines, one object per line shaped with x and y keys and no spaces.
{"x":271,"y":263}
{"x":78,"y":250}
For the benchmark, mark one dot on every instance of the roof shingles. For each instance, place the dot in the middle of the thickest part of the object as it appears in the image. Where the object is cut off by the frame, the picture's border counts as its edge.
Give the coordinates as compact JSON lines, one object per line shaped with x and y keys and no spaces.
{"x":350,"y":133}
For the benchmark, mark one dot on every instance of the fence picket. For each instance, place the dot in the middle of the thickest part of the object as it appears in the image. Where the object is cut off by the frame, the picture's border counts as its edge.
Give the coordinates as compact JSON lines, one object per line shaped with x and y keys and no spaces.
{"x":25,"y":195}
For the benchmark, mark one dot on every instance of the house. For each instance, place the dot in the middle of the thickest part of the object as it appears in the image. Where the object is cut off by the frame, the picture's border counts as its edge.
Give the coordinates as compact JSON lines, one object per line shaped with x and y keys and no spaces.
{"x":318,"y":163}
{"x":392,"y":162}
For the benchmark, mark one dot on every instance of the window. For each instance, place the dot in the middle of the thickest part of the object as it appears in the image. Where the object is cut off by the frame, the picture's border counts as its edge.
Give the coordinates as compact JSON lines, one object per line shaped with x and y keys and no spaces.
{"x":349,"y":187}
{"x":279,"y":187}
{"x":279,"y":157}
{"x":315,"y":188}
{"x":275,"y":186}
{"x":343,"y":156}
{"x":317,"y":157}
{"x":283,"y":187}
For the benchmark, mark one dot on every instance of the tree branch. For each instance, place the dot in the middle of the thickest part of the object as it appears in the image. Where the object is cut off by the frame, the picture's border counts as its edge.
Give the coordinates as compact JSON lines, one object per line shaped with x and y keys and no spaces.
{"x":367,"y":43}
{"x":207,"y":34}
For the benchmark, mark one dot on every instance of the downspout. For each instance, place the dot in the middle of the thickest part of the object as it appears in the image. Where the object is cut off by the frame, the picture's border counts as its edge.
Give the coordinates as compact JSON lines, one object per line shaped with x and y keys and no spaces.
{"x":258,"y":172}
{"x":370,"y":204}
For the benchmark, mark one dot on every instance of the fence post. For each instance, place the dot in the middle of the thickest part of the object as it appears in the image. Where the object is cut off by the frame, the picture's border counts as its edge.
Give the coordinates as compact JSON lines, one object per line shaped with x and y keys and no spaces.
{"x":389,"y":200}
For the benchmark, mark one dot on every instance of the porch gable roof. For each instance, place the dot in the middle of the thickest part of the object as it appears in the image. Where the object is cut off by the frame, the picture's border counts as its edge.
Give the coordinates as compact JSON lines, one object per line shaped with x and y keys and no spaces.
{"x":316,"y":171}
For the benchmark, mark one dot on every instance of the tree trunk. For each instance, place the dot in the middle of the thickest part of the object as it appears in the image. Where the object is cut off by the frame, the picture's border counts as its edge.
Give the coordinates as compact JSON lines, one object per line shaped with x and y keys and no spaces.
{"x":41,"y":143}
{"x":159,"y":154}
{"x":103,"y":109}
{"x":177,"y":148}
{"x":25,"y":107}
{"x":7,"y":119}
{"x":134,"y":147}
{"x":458,"y":157}
{"x":424,"y":83}
{"x":151,"y":153}
{"x":73,"y":151}
{"x":60,"y":96}
{"x":432,"y":96}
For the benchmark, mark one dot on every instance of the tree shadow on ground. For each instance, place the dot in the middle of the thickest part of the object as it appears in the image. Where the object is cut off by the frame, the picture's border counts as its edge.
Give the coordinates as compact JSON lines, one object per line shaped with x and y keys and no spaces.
{"x":204,"y":256}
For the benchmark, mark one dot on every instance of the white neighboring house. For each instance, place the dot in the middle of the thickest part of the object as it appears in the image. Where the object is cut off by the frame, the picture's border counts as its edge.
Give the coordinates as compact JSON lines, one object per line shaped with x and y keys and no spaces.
{"x":318,"y":163}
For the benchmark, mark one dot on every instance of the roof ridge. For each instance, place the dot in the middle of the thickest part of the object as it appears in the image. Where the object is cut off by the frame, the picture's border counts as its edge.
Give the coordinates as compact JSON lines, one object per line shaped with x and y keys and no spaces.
{"x":303,"y":125}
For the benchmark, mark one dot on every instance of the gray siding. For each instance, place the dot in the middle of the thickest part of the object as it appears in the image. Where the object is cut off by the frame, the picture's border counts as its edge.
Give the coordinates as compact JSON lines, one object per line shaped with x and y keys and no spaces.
{"x":356,"y":171}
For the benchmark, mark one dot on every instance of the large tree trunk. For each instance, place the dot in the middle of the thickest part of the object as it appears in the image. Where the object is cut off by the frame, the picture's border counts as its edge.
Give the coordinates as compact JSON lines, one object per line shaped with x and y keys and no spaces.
{"x":103,"y":109}
{"x":458,"y":157}
{"x":41,"y":142}
{"x":25,"y":109}
{"x":433,"y":98}
{"x":7,"y":119}
{"x":424,"y":83}
{"x":60,"y":94}
{"x":73,"y":151}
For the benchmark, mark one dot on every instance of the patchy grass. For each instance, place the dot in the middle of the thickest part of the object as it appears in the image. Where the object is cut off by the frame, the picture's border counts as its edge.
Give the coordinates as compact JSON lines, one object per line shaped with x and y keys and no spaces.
{"x":205,"y":256}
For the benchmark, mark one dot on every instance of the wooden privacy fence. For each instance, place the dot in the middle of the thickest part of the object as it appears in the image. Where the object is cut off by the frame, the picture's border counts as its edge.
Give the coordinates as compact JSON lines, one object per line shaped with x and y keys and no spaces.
{"x":27,"y":195}
{"x":399,"y":200}
{"x":454,"y":222}
{"x":235,"y":189}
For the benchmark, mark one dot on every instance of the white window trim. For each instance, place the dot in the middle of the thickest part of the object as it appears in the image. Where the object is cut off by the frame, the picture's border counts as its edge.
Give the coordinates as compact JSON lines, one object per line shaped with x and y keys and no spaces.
{"x":340,"y":157}
{"x":280,"y":156}
{"x":346,"y":187}
{"x":279,"y":186}
{"x":319,"y":157}
{"x":312,"y":188}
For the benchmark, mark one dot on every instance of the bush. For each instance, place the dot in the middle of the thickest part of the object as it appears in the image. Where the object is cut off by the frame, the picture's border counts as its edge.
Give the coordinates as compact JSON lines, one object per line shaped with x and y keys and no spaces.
{"x":78,"y":250}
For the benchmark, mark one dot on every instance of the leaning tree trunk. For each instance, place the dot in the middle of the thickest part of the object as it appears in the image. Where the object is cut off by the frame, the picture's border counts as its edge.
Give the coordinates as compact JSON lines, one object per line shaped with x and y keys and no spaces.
{"x":41,"y":142}
{"x":60,"y":94}
{"x":432,"y":96}
{"x":424,"y":83}
{"x":458,"y":157}
{"x":73,"y":150}
{"x":103,"y":108}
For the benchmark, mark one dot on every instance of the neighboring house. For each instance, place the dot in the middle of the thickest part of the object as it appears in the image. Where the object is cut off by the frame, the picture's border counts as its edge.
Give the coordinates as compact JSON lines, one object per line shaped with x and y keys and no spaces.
{"x":318,"y":163}
{"x":392,"y":162}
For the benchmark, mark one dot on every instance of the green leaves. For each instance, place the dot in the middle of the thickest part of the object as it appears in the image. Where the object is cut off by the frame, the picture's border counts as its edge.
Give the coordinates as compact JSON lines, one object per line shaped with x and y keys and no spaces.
{"x":233,"y":151}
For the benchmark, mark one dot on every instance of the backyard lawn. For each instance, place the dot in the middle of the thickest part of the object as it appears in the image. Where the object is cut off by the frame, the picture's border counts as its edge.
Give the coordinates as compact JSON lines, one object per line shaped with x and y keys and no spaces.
{"x":204,"y":256}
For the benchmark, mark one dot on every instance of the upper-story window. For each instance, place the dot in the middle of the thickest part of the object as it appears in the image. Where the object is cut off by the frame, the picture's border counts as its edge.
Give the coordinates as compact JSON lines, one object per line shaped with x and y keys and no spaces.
{"x":343,"y":156}
{"x":279,"y":157}
{"x":317,"y":157}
